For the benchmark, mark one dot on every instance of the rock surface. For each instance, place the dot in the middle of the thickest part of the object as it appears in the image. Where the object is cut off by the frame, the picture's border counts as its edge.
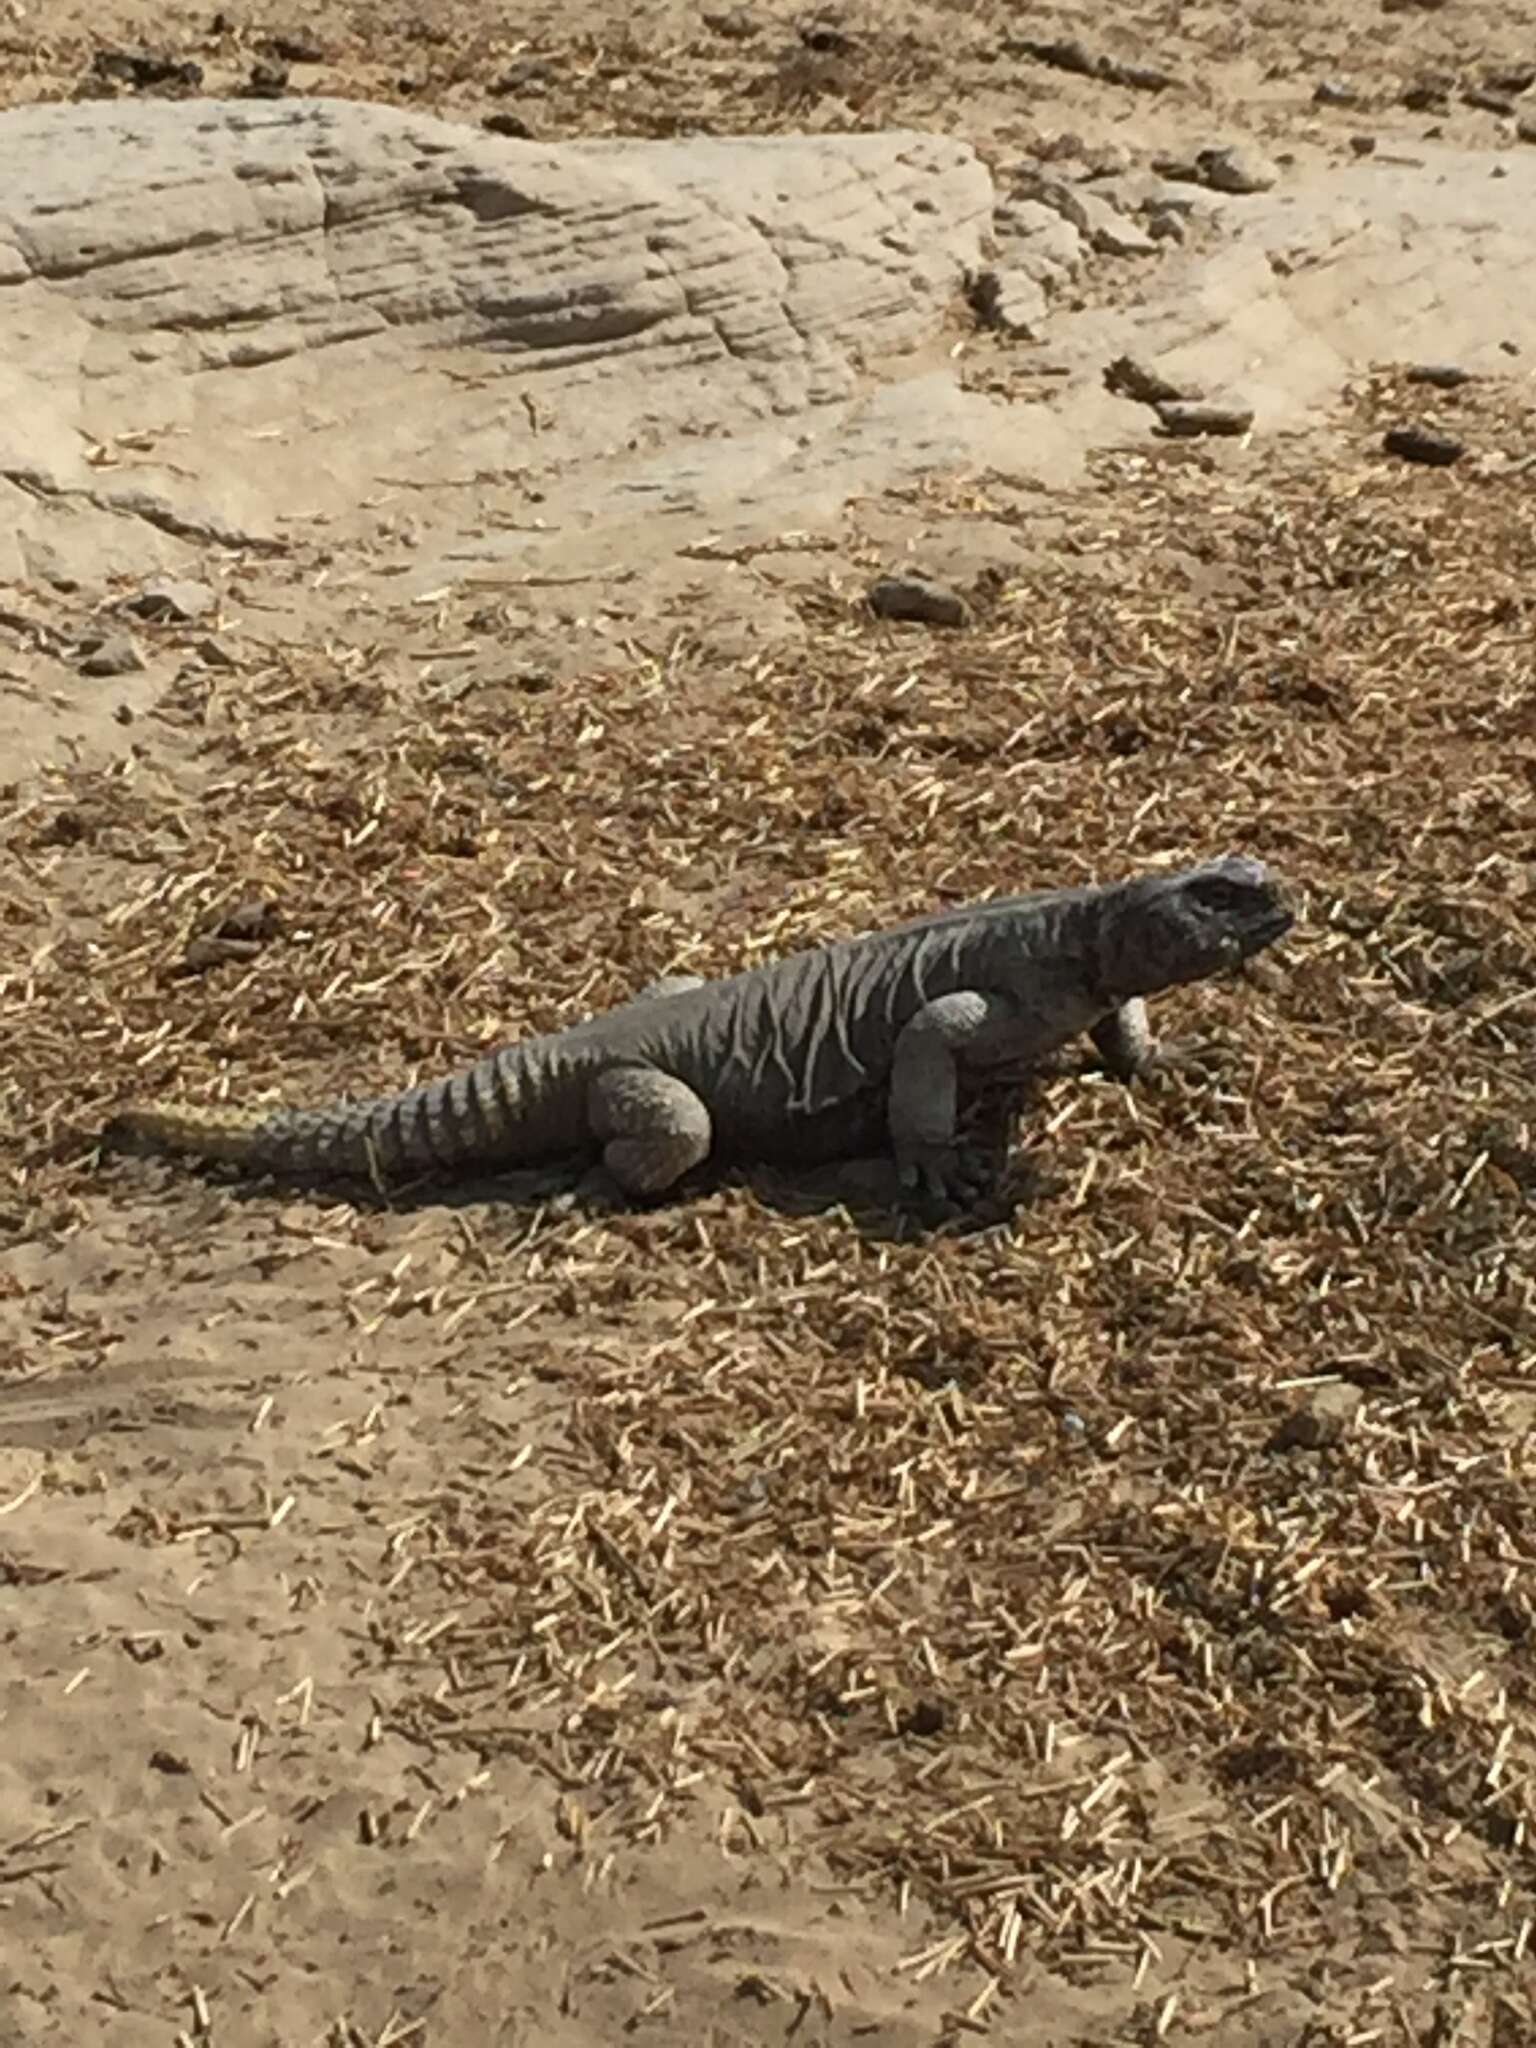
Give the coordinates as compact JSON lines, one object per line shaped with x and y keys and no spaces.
{"x":345,"y":325}
{"x":281,"y":232}
{"x":688,"y":286}
{"x":1039,"y":241}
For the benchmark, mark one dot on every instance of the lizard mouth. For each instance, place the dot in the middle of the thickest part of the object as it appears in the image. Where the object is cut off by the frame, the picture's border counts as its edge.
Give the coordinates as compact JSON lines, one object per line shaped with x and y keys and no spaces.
{"x":1262,"y":928}
{"x":1239,"y":948}
{"x":1259,"y":935}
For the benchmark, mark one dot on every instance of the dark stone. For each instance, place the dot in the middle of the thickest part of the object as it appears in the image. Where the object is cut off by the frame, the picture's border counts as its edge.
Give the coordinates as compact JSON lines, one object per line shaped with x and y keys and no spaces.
{"x":1444,"y":376}
{"x":268,"y":80}
{"x":917,"y":598}
{"x":290,"y":48}
{"x":1428,"y":445}
{"x":110,"y":654}
{"x":1187,"y":418}
{"x":143,"y":69}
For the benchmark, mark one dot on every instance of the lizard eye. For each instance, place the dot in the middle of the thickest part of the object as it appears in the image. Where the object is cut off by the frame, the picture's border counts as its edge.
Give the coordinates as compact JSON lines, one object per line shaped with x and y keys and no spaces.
{"x":1215,"y":893}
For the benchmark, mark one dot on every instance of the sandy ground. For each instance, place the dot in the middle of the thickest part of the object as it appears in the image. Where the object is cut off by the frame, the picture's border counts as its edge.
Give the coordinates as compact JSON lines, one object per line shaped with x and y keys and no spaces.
{"x":745,"y":1622}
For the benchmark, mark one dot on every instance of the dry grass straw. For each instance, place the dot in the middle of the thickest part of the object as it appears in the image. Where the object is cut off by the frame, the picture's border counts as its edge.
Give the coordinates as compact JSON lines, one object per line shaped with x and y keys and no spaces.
{"x":1003,"y":1567}
{"x":648,"y":71}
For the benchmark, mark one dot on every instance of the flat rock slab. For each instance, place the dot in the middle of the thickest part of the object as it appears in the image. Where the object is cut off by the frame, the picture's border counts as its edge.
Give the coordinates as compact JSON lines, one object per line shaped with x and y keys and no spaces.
{"x":212,"y":235}
{"x":439,"y":354}
{"x":290,"y":301}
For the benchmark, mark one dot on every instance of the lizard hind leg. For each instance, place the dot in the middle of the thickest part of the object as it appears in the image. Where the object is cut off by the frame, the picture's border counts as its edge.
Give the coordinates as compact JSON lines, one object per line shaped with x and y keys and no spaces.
{"x":652,"y":1127}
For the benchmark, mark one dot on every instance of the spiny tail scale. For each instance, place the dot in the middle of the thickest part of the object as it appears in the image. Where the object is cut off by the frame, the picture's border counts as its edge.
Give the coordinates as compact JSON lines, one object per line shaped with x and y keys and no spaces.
{"x":468,"y":1116}
{"x":214,"y":1132}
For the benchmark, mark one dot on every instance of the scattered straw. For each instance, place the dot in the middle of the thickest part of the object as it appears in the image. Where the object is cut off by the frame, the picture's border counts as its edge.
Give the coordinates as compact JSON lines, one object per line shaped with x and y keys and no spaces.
{"x":20,"y":1500}
{"x":1153,"y":1571}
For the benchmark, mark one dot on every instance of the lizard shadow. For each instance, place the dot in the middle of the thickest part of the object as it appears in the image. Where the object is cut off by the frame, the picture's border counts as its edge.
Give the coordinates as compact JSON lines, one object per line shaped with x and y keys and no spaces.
{"x":864,"y":1187}
{"x":861,"y":1188}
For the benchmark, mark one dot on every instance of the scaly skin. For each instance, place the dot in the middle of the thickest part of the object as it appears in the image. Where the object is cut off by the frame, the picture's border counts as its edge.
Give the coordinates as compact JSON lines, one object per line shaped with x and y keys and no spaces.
{"x":476,"y":1115}
{"x":487,"y":1113}
{"x":784,"y":1061}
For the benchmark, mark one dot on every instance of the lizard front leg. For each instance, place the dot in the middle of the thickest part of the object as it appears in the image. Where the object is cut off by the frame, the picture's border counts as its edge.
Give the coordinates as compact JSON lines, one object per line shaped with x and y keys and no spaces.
{"x":1125,"y":1043}
{"x":1123,"y":1040}
{"x":924,"y":1082}
{"x":651,"y":1126}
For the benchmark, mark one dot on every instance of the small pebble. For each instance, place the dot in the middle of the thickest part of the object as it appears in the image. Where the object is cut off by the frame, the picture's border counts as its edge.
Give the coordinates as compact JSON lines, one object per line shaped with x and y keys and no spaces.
{"x":268,"y":80}
{"x":1444,"y":376}
{"x":111,"y":654}
{"x":919,"y":598}
{"x":172,"y":597}
{"x":1237,"y":168}
{"x":1331,"y":92}
{"x":1423,"y":444}
{"x":1128,"y":377}
{"x":291,"y":48}
{"x":1185,"y":418}
{"x":1322,"y":1419}
{"x":1009,"y":301}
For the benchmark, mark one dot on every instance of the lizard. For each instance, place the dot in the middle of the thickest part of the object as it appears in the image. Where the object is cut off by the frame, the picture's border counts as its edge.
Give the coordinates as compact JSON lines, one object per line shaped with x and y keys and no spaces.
{"x":794,"y":1060}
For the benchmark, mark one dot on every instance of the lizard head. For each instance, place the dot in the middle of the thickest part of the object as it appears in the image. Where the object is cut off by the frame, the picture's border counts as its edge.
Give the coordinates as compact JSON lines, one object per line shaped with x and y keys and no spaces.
{"x":1161,"y":930}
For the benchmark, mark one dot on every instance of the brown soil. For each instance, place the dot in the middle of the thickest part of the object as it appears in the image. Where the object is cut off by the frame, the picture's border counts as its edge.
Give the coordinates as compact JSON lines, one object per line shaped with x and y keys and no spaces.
{"x":757,"y":1620}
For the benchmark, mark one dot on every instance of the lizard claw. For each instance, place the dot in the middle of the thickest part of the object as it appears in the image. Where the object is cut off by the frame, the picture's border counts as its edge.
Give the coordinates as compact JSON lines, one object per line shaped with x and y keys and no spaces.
{"x":943,"y":1174}
{"x":1196,"y":1058}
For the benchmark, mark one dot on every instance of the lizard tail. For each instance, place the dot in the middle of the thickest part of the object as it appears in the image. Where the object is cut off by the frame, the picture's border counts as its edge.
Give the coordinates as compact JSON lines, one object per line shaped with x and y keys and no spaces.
{"x":469,"y":1116}
{"x":273,"y":1137}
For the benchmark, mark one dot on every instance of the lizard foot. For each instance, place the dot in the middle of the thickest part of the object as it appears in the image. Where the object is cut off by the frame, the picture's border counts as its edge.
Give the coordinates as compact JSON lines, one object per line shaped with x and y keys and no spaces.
{"x":597,"y":1193}
{"x":944,"y":1174}
{"x":1201,"y":1059}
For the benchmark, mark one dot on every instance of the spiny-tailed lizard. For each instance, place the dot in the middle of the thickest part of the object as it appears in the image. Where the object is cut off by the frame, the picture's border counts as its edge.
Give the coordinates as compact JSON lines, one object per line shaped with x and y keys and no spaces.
{"x":789,"y":1061}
